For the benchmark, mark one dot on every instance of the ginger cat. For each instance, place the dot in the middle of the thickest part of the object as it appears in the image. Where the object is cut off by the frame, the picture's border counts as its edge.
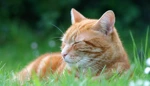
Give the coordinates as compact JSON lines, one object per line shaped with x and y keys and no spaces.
{"x":87,"y":44}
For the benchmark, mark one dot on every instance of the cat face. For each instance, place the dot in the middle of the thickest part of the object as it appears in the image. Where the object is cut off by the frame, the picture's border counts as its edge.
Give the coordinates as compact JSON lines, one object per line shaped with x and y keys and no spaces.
{"x":87,"y":40}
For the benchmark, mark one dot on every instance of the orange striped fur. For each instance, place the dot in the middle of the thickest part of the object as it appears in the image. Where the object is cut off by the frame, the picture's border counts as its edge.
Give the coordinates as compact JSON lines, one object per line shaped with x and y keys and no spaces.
{"x":87,"y":44}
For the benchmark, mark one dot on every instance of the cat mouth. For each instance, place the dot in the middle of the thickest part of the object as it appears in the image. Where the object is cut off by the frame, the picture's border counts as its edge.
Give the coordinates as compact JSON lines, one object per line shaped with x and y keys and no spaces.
{"x":73,"y":62}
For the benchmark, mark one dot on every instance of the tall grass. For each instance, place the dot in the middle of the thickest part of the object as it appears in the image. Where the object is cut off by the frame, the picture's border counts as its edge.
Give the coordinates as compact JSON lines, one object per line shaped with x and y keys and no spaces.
{"x":135,"y":51}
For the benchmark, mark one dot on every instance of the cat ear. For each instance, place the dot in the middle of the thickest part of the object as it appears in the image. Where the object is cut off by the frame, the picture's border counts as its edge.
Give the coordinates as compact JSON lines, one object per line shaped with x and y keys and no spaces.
{"x":106,"y":22}
{"x":76,"y":16}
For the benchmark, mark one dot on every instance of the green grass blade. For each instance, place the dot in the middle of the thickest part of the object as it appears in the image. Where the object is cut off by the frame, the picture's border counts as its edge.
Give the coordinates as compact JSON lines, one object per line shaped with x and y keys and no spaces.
{"x":146,"y":42}
{"x":134,"y":48}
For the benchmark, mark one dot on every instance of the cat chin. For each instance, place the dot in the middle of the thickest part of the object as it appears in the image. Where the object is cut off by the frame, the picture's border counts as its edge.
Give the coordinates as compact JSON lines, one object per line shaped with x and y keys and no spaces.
{"x":71,"y":61}
{"x":76,"y":63}
{"x":73,"y":64}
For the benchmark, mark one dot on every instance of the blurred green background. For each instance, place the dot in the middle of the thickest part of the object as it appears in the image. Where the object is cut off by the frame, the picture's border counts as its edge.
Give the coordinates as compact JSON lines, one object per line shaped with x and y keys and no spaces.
{"x":29,"y":28}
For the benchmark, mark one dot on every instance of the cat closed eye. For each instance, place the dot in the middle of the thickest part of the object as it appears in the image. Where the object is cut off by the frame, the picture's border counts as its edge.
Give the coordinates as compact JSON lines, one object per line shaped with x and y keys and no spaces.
{"x":77,"y":42}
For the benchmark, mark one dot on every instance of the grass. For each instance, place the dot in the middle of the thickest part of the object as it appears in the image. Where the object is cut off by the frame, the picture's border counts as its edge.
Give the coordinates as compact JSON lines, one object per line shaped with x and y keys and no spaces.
{"x":137,"y":69}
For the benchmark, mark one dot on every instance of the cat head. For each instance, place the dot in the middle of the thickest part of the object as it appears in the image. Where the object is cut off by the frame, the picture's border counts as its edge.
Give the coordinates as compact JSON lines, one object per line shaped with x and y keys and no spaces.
{"x":88,"y":39}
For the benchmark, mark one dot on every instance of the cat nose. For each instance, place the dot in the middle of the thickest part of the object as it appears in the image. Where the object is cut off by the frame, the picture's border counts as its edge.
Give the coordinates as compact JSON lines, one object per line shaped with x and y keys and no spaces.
{"x":64,"y":55}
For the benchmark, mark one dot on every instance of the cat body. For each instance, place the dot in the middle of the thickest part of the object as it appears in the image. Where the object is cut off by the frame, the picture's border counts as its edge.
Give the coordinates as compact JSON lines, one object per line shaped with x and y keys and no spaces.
{"x":42,"y":66}
{"x":88,"y":44}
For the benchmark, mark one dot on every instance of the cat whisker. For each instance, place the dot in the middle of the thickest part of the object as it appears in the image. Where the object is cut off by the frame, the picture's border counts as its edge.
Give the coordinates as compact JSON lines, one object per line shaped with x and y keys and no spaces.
{"x":57,"y":28}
